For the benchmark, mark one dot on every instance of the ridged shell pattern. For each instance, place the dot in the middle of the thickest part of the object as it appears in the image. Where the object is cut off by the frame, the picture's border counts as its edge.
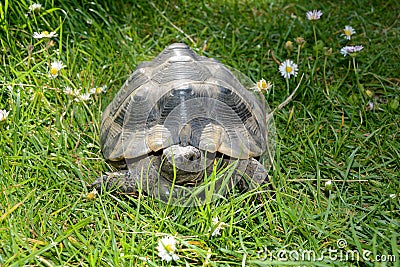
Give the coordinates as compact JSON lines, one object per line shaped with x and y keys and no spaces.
{"x":187,"y":99}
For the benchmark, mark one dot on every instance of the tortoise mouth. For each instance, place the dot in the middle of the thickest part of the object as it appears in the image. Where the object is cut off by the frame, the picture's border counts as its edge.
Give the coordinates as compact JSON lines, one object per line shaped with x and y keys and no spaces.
{"x":185,"y":164}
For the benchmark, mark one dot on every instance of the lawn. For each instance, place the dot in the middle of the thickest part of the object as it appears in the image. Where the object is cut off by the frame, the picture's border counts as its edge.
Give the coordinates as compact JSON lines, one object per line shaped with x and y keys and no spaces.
{"x":337,"y":155}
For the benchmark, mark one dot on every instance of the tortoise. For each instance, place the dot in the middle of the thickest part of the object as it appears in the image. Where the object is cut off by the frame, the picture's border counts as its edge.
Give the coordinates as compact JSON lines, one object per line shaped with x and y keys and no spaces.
{"x":177,"y":120}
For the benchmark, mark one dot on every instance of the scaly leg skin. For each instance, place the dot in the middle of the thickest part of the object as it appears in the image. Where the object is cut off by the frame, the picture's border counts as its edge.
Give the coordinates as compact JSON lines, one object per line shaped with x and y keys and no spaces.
{"x":255,"y":175}
{"x":114,"y":180}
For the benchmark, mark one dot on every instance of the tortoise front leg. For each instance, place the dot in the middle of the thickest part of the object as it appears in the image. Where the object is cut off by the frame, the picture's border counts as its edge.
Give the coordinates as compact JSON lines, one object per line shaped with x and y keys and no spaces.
{"x":254,"y":175}
{"x":119,"y":180}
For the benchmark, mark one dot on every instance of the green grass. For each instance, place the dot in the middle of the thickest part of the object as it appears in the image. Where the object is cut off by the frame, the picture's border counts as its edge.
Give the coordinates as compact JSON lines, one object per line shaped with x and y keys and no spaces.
{"x":50,"y":147}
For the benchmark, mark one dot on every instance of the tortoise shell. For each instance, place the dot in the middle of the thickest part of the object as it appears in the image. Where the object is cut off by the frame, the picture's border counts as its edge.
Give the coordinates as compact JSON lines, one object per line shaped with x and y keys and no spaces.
{"x":186,"y":99}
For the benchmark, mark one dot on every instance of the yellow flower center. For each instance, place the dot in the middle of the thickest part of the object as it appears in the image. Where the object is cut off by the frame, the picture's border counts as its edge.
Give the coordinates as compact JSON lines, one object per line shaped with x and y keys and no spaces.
{"x":289,"y":69}
{"x":347,"y":32}
{"x":98,"y":90}
{"x":45,"y":33}
{"x":169,"y":248}
{"x":369,"y":93}
{"x":53,"y":71}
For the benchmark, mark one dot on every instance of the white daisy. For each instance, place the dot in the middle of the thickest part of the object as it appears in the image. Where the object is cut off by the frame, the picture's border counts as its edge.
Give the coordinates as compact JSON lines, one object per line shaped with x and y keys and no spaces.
{"x":35,"y":7}
{"x":3,"y":114}
{"x":83,"y":97}
{"x":263,"y":85}
{"x":314,"y":15}
{"x":44,"y":34}
{"x":69,"y":91}
{"x":55,"y":67}
{"x":219,"y":226}
{"x":288,"y":68}
{"x":351,"y":50}
{"x":370,"y":105}
{"x":145,"y":259}
{"x":328,"y":185}
{"x":98,"y":90}
{"x":348,"y":32}
{"x":166,"y":249}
